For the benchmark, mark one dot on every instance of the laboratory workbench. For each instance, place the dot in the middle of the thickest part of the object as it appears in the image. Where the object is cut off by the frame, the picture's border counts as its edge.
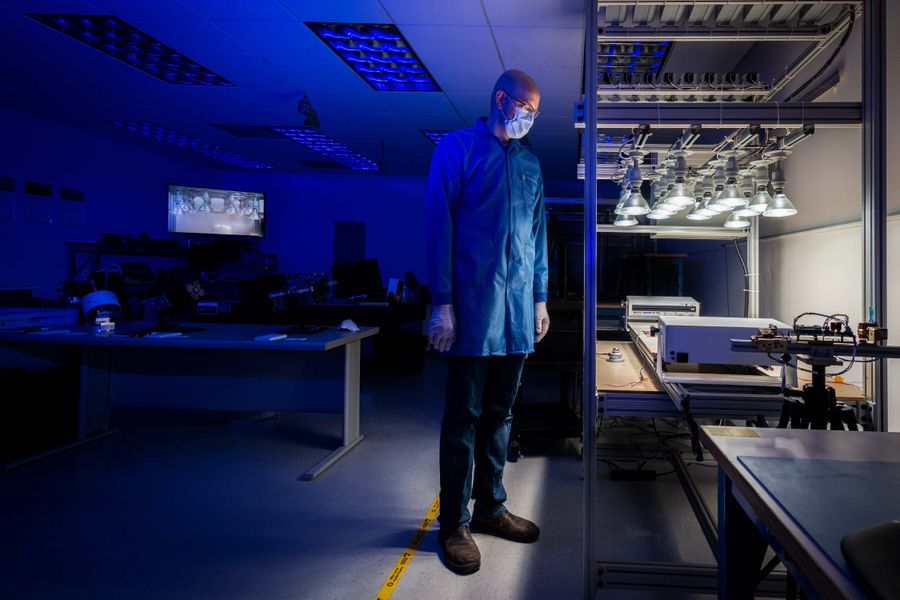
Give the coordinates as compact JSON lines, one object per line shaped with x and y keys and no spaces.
{"x":219,"y":367}
{"x":800,"y":492}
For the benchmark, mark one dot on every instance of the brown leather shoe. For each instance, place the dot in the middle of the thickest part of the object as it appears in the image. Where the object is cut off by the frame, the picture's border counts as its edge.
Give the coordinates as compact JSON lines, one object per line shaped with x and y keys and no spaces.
{"x":510,"y":527}
{"x":461,"y":554}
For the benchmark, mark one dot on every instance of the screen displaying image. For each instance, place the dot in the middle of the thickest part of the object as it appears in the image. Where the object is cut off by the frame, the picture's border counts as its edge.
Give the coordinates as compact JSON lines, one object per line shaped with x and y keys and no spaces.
{"x":216,"y":212}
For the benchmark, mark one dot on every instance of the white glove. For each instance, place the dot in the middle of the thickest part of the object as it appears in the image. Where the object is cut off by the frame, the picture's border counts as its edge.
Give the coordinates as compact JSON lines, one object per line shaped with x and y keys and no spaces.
{"x":442,"y":328}
{"x":541,"y":321}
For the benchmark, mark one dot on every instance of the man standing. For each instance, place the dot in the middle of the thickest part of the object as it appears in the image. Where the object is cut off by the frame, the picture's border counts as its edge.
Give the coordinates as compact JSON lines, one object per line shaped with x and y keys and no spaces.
{"x":487,"y":258}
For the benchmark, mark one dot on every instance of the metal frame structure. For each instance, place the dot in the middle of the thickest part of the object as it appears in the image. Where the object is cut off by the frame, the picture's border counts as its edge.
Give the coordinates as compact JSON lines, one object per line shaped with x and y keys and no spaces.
{"x":727,"y":115}
{"x":589,"y":367}
{"x":871,"y":113}
{"x":874,"y":191}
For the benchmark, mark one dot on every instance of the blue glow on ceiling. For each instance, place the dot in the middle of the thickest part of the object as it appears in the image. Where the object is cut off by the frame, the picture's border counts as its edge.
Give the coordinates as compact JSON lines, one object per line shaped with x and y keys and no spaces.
{"x":169,"y":136}
{"x":379,"y":54}
{"x":327,"y":146}
{"x":633,"y":57}
{"x":113,"y":36}
{"x":435,"y":135}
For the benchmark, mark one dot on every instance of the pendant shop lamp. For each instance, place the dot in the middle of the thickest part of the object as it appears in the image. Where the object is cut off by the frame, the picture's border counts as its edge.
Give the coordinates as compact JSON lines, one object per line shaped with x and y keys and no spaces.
{"x":780,"y":206}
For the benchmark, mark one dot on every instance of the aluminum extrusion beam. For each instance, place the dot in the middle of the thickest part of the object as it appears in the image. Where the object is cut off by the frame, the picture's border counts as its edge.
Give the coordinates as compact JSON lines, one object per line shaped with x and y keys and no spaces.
{"x":874,"y":190}
{"x":667,"y":91}
{"x":808,"y":56}
{"x":726,"y":115}
{"x":589,"y":363}
{"x":751,"y":280}
{"x":678,"y":232}
{"x":717,"y":2}
{"x":702,"y":33}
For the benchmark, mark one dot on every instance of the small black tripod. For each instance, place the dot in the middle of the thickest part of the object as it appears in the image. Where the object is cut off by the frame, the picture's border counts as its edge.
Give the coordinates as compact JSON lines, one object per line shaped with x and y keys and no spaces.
{"x":816,"y":405}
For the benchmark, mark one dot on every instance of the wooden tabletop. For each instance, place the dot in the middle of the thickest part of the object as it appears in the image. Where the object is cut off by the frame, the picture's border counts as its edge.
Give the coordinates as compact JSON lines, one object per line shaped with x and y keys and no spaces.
{"x":625,"y":376}
{"x":729,"y":445}
{"x":214,"y":336}
{"x":846,"y":392}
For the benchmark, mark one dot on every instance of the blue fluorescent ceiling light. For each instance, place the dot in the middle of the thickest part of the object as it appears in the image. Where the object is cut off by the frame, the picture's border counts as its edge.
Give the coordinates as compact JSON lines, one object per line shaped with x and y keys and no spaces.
{"x":113,"y":36}
{"x":326,"y":146}
{"x":164,"y":134}
{"x":435,"y":135}
{"x":379,"y":54}
{"x":631,"y":57}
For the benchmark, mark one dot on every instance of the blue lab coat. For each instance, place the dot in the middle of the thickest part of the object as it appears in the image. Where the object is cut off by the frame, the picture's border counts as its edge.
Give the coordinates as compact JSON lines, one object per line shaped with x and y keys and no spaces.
{"x":487,"y":240}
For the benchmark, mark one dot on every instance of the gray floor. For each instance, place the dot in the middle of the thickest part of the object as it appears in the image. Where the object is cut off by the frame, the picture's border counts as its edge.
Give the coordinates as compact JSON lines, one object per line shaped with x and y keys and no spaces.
{"x":192,"y":506}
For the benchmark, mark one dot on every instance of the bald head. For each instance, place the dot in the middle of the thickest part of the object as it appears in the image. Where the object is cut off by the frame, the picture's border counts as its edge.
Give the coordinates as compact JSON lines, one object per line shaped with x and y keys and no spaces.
{"x":518,"y":84}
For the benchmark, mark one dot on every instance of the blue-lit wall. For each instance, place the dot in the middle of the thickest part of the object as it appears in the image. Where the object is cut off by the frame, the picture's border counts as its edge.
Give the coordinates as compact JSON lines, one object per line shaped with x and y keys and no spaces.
{"x":124,"y":186}
{"x":301,"y":210}
{"x":125,"y":192}
{"x":713,"y":275}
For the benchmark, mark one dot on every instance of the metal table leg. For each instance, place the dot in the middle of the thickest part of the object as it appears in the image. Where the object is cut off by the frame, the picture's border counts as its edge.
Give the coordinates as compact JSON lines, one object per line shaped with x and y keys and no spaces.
{"x":351,"y":436}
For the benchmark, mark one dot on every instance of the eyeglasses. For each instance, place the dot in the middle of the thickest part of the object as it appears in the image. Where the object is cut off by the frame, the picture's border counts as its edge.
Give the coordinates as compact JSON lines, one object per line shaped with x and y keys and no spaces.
{"x":522,"y":104}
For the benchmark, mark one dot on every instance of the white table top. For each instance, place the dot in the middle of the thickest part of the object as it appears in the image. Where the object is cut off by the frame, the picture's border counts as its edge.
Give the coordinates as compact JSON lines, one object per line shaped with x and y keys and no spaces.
{"x":213,"y":336}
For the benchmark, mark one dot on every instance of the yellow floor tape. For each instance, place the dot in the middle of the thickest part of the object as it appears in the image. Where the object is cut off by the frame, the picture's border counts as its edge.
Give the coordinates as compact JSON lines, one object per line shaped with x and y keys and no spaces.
{"x":387,"y":588}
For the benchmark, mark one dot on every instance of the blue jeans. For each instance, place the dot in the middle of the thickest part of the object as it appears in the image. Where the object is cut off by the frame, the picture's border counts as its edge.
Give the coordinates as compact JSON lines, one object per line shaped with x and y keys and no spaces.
{"x":475,"y":432}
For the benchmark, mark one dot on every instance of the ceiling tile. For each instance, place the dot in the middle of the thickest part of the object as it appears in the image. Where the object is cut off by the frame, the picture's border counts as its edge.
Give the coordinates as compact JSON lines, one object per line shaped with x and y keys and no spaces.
{"x":248,"y":73}
{"x":415,"y":12}
{"x":344,"y":11}
{"x":332,"y":75}
{"x":158,"y":8}
{"x":240,"y":9}
{"x":196,"y":38}
{"x":438,"y":121}
{"x":439,"y":44}
{"x":419,"y":102}
{"x":522,"y":47}
{"x":327,"y":101}
{"x":279,"y":41}
{"x":467,"y":78}
{"x":52,"y":6}
{"x":471,"y":104}
{"x":380,"y":125}
{"x":545,"y":13}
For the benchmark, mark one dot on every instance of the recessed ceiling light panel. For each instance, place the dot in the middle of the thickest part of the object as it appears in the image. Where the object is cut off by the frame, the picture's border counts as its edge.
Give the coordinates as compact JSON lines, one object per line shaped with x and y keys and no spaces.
{"x":435,"y":135}
{"x":113,"y":36}
{"x":327,"y":146}
{"x":169,"y":136}
{"x":379,"y":54}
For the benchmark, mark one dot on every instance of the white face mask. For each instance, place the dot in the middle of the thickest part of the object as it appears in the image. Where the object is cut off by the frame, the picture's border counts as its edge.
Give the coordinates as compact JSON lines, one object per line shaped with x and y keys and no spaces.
{"x":518,"y":126}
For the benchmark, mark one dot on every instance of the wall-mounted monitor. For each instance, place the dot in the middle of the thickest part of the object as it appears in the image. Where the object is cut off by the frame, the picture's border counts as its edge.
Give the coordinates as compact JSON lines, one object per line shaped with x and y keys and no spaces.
{"x":213,"y":211}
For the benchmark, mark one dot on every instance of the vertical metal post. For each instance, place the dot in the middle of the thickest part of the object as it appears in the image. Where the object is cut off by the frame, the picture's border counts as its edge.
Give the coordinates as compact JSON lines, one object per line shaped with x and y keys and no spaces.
{"x":751,"y":281}
{"x":874,"y":196}
{"x":589,"y":364}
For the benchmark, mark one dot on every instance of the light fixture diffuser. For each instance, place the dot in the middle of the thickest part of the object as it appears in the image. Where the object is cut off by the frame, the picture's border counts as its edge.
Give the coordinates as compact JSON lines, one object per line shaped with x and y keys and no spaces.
{"x":322,"y":143}
{"x":625,"y":221}
{"x":116,"y":38}
{"x":379,"y":54}
{"x":635,"y":204}
{"x":736,"y":222}
{"x":435,"y":135}
{"x":170,"y":136}
{"x":698,"y":213}
{"x":780,"y":206}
